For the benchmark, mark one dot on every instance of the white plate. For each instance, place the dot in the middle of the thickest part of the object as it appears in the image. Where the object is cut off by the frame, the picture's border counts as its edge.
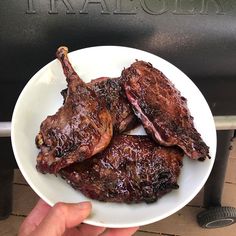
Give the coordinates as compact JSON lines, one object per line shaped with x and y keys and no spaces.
{"x":41,"y":97}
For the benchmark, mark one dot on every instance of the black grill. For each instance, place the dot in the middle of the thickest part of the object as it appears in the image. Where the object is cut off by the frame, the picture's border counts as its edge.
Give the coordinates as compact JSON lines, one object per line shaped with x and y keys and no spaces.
{"x":196,"y":36}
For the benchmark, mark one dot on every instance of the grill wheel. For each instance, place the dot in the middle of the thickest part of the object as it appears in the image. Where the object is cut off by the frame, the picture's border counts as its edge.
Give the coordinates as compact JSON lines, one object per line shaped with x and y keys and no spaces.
{"x":217,"y":217}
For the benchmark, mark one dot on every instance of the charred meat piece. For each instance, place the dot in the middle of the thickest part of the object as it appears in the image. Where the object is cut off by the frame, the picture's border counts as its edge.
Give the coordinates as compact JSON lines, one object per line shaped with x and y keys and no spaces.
{"x":111,"y":91}
{"x":131,"y":169}
{"x":81,"y":128}
{"x":162,"y":109}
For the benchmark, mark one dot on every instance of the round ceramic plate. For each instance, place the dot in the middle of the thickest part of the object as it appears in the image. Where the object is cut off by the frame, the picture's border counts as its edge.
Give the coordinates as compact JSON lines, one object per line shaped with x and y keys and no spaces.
{"x":41,"y":97}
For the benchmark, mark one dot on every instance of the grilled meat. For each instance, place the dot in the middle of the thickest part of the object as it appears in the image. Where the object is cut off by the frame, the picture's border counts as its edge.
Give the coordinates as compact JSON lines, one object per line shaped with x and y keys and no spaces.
{"x":81,"y":128}
{"x":131,"y":169}
{"x":162,"y":109}
{"x":111,"y":91}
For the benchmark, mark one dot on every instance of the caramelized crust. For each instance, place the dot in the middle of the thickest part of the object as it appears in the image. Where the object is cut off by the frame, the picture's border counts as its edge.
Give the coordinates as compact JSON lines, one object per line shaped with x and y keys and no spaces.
{"x":81,"y":128}
{"x":131,"y":169}
{"x":111,"y":91}
{"x":162,"y":109}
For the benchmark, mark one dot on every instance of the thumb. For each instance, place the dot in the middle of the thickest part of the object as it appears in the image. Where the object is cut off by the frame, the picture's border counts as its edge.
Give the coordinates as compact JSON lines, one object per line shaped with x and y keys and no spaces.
{"x":63,"y":216}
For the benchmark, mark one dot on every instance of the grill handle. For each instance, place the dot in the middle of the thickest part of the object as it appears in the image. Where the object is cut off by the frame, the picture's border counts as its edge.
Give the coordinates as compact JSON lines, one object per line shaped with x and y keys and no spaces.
{"x":5,"y":129}
{"x":221,"y":122}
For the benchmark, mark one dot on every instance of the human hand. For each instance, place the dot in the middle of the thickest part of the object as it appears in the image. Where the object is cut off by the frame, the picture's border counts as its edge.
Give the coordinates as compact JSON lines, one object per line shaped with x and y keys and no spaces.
{"x":65,"y":219}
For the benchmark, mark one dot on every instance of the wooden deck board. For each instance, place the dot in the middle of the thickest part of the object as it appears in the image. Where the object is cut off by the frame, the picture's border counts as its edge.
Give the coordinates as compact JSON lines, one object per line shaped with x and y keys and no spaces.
{"x":18,"y":178}
{"x":230,"y":175}
{"x":24,"y":199}
{"x":144,"y":233}
{"x":10,"y":226}
{"x":182,"y":223}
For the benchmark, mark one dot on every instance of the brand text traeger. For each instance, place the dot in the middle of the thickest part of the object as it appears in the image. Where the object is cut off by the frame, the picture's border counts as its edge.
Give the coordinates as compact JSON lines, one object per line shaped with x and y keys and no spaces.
{"x":130,"y":7}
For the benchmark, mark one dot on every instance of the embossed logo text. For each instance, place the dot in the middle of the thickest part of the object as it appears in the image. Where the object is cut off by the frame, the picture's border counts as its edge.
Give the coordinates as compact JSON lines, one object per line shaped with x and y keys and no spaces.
{"x":130,"y":7}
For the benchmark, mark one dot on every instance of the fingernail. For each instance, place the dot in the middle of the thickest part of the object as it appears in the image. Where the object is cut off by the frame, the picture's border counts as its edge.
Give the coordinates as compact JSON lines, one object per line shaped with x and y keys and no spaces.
{"x":84,"y":205}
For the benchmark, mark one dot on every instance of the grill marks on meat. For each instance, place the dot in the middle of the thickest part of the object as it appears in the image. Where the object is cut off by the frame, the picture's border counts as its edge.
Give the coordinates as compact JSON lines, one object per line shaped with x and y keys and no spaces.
{"x":162,"y":109}
{"x":81,"y":128}
{"x":131,"y":169}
